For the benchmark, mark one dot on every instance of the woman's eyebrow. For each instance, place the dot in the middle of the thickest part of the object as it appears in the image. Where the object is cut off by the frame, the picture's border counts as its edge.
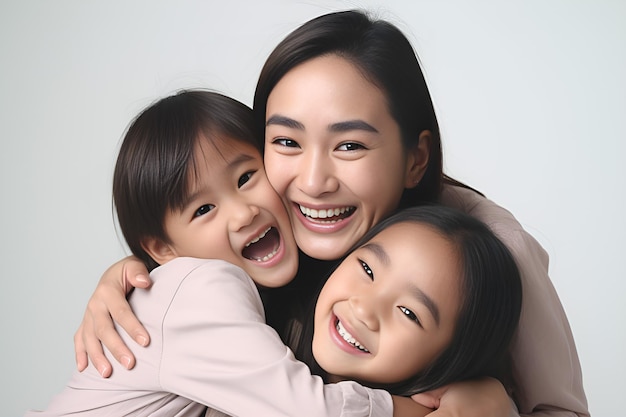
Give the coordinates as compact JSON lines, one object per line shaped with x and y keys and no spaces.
{"x":345,"y":126}
{"x":280,"y":120}
{"x":352,"y":125}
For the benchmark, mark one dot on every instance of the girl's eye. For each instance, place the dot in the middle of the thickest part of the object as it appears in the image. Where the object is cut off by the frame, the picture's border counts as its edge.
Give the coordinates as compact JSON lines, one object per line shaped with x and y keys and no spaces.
{"x":245,"y":178}
{"x":410,"y":315}
{"x":289,"y":143}
{"x":203,"y":210}
{"x":367,"y":269}
{"x":350,"y":146}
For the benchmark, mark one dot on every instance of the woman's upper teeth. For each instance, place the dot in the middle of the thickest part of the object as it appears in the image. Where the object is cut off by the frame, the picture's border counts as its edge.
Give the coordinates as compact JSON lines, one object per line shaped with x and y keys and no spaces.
{"x":259,"y":237}
{"x":323,"y":213}
{"x":349,"y":338}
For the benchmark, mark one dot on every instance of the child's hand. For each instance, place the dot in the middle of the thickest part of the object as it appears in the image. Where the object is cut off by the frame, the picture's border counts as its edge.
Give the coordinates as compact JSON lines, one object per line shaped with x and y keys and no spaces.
{"x":476,"y":398}
{"x":430,"y":399}
{"x":107,"y":306}
{"x":407,"y":407}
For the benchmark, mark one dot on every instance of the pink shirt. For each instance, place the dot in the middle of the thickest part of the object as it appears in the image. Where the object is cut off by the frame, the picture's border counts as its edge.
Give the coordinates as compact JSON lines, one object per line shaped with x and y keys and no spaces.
{"x":210,"y":346}
{"x":546,"y":367}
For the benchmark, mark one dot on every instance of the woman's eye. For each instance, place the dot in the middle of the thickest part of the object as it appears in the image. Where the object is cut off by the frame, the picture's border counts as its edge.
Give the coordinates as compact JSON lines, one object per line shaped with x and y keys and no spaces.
{"x":289,"y":143}
{"x":410,"y":315}
{"x":203,"y":210}
{"x":350,"y":146}
{"x":244,"y":178}
{"x":367,"y":269}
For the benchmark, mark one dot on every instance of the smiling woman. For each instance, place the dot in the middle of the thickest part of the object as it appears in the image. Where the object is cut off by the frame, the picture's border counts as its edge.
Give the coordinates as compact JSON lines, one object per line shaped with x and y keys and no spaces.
{"x":338,"y":151}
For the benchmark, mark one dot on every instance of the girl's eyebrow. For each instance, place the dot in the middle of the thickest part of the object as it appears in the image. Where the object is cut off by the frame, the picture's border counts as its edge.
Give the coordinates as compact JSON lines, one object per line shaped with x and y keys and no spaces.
{"x":421,"y":296}
{"x":231,"y":164}
{"x":378,"y":251}
{"x":427,"y":301}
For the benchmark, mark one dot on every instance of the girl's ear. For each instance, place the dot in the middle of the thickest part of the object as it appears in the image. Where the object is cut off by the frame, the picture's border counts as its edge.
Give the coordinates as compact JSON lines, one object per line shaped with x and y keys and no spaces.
{"x":418,"y":160}
{"x":158,"y":250}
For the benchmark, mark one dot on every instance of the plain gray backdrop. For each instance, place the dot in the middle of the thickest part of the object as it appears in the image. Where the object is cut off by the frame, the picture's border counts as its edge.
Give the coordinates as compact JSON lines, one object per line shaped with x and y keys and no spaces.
{"x":531,"y":98}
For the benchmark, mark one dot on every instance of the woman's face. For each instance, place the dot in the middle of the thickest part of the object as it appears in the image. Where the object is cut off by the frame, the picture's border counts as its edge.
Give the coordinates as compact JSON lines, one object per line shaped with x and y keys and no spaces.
{"x":334,"y":154}
{"x":390,"y":308}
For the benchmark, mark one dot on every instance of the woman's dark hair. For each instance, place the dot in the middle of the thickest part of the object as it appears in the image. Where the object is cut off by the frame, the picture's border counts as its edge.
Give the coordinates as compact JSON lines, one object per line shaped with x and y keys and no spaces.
{"x":156,"y":159}
{"x":491,"y":292}
{"x":386,"y":58}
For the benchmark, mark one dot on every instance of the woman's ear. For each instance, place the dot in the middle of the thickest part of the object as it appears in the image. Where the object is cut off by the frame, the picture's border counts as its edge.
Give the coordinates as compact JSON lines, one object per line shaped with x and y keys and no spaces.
{"x":158,"y":250}
{"x":418,"y":160}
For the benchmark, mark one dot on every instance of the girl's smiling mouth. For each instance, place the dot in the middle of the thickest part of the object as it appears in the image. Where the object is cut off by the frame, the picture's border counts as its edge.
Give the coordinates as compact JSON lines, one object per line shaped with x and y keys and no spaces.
{"x":348,"y":337}
{"x":344,"y":339}
{"x":264,"y":247}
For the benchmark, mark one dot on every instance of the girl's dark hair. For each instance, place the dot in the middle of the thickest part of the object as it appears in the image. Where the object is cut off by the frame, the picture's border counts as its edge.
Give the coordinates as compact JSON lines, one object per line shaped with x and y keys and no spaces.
{"x":491,"y":292}
{"x":156,"y":159}
{"x":386,"y":58}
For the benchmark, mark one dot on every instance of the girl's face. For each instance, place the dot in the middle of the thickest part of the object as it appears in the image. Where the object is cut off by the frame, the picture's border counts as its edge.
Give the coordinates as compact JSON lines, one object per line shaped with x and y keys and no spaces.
{"x":334,"y":154}
{"x":234,"y":214}
{"x":390,"y":308}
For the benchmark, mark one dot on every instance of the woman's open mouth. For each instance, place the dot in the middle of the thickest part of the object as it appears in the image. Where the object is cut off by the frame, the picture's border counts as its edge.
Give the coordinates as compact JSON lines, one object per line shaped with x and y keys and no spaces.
{"x":263,"y":247}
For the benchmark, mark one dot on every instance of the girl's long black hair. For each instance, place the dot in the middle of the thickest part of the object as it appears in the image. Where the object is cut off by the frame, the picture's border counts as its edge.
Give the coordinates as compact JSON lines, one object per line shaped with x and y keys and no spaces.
{"x":491,"y":292}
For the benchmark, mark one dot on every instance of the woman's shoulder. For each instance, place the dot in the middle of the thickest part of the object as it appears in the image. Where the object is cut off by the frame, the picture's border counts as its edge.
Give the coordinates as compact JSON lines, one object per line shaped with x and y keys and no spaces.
{"x":477,"y":205}
{"x":500,"y":220}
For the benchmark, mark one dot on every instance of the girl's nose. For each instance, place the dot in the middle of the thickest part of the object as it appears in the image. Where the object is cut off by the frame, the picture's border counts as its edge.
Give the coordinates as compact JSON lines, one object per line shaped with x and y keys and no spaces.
{"x":241,"y":214}
{"x":316,"y":175}
{"x":365,"y":308}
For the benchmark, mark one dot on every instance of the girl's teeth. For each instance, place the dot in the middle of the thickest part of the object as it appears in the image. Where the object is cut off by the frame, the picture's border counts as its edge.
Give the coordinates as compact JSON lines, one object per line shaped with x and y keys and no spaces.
{"x":268,"y":256}
{"x":261,"y":236}
{"x":349,"y":338}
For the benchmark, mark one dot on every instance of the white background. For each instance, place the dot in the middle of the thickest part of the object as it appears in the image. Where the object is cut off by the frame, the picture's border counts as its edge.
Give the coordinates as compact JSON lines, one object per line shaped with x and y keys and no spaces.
{"x":531,"y":98}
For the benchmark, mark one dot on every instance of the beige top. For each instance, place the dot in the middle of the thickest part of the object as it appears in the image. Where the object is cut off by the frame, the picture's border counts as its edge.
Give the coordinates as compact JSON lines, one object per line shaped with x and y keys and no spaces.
{"x":210,"y":346}
{"x":546,"y":367}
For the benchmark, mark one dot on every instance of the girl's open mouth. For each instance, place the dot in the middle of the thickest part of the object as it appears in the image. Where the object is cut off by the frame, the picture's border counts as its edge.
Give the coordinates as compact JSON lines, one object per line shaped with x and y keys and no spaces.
{"x":264,"y":247}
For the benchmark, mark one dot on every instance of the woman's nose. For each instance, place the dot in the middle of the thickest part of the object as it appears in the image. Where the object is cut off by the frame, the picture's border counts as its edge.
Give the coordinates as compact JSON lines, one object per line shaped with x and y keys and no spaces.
{"x":365,"y":308}
{"x":316,"y":175}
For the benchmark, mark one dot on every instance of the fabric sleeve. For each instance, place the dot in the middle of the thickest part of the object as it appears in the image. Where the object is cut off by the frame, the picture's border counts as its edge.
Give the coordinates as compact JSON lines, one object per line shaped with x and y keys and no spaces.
{"x":218,"y":351}
{"x":546,"y":368}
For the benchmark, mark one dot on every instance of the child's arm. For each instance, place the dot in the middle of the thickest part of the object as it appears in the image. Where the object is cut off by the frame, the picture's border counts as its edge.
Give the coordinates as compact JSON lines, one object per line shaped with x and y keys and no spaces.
{"x":107,"y":306}
{"x":218,"y":351}
{"x":473,"y":398}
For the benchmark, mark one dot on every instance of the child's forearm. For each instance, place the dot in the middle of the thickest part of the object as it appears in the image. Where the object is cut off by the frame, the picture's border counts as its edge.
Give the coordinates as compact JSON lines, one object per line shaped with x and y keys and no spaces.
{"x":218,"y":351}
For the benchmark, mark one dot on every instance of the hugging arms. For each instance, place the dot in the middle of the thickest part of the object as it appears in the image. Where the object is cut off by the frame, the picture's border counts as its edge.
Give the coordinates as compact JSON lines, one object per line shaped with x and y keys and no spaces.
{"x":348,"y":138}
